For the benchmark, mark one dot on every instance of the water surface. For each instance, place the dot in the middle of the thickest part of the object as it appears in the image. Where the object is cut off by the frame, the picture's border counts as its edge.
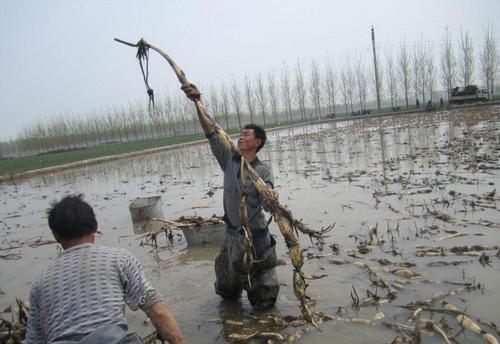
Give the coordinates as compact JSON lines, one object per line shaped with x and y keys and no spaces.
{"x":397,"y":172}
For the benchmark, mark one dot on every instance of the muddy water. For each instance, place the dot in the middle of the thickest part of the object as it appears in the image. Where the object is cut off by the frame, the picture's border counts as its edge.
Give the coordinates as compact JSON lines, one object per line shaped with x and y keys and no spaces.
{"x":402,"y":173}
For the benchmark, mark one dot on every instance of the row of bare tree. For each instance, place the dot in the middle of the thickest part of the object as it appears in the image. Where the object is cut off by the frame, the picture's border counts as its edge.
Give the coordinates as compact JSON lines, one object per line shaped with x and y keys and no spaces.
{"x":407,"y":75}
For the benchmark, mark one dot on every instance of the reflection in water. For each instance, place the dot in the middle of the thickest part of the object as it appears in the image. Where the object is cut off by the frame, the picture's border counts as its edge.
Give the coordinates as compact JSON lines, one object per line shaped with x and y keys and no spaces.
{"x":238,"y":318}
{"x":180,"y":164}
{"x":187,"y":256}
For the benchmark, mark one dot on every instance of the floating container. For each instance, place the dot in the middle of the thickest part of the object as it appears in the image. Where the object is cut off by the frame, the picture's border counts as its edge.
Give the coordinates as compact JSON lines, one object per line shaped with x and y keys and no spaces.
{"x":205,"y":235}
{"x":142,"y":209}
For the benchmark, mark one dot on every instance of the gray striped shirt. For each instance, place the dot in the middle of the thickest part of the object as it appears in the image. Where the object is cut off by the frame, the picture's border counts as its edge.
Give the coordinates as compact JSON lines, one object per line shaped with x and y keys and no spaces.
{"x":87,"y":287}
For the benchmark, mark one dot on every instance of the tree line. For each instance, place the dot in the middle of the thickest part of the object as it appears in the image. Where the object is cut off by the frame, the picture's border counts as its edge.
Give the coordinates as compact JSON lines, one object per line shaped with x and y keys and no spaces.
{"x":408,"y":73}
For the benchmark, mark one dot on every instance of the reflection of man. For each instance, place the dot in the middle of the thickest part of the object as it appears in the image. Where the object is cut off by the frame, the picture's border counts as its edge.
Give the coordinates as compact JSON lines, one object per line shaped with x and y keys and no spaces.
{"x":81,"y":297}
{"x":230,"y":277}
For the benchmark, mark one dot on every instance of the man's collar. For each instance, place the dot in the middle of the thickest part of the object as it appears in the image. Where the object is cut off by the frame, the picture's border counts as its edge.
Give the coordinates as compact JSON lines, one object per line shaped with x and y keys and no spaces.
{"x":78,"y":247}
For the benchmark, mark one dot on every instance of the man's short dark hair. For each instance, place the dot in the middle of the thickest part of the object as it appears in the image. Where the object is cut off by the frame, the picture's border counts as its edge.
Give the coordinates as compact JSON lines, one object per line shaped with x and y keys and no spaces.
{"x":72,"y":217}
{"x":259,"y":132}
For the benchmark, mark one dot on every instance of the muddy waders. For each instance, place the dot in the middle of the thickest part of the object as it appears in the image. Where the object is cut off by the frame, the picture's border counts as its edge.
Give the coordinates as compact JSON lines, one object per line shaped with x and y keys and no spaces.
{"x":231,"y":278}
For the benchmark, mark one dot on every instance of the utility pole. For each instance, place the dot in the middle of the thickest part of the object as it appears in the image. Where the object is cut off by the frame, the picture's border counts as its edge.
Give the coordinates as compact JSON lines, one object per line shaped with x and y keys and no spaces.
{"x":377,"y":85}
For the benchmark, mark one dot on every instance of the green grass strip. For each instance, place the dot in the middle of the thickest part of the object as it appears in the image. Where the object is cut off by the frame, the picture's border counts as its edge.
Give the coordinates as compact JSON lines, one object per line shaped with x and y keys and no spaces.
{"x":9,"y":166}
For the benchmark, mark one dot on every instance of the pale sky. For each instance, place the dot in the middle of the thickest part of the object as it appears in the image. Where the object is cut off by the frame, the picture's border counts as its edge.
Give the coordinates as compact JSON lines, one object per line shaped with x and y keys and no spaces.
{"x":59,"y":57}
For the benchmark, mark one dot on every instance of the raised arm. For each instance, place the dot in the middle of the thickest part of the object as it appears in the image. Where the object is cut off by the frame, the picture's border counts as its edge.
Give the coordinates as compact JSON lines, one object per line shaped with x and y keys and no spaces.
{"x":206,"y":122}
{"x":221,"y":150}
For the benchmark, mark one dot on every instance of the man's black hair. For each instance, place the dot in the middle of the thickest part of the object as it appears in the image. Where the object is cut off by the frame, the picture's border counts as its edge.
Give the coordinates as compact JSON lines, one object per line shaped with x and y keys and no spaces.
{"x":259,"y":132}
{"x":72,"y":217}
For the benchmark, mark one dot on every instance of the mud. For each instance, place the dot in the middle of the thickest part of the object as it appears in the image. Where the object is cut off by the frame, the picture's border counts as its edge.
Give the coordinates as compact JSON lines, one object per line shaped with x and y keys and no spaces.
{"x":430,"y":182}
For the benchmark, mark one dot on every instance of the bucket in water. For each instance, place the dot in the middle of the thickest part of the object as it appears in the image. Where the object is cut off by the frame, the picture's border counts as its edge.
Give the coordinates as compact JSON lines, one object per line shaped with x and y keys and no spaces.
{"x":144,"y":208}
{"x":205,"y":235}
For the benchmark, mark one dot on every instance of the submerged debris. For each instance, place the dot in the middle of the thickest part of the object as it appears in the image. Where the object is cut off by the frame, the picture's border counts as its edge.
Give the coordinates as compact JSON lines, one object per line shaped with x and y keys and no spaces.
{"x":14,"y":331}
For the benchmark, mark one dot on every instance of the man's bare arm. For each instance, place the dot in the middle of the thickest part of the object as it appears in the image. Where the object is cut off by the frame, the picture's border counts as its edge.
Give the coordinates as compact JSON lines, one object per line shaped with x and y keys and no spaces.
{"x":193,"y":94}
{"x":165,"y":323}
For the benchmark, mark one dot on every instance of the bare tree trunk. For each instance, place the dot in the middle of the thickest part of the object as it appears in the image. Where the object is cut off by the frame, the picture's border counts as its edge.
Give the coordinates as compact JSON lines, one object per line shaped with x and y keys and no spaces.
{"x":350,"y":84}
{"x":489,"y":59}
{"x":300,"y":91}
{"x":330,"y":88}
{"x":273,"y":96}
{"x":138,"y":122}
{"x":154,"y":117}
{"x":430,"y":72}
{"x":315,"y":89}
{"x":185,"y":113}
{"x":224,"y":103}
{"x":361,"y":81}
{"x":214,"y":102}
{"x":417,"y":77}
{"x":448,"y":64}
{"x":111,"y":125}
{"x":261,"y":97}
{"x":94,"y":129}
{"x":422,"y":64}
{"x":236,"y":101}
{"x":391,"y":79}
{"x":249,"y":98}
{"x":344,"y":89}
{"x":466,"y":59}
{"x":404,"y":74}
{"x":168,"y":115}
{"x":179,"y":116}
{"x":286,"y":92}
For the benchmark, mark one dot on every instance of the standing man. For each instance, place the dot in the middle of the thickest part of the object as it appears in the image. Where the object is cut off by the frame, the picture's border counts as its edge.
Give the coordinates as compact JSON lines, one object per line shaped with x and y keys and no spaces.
{"x":81,"y":297}
{"x":231,"y":279}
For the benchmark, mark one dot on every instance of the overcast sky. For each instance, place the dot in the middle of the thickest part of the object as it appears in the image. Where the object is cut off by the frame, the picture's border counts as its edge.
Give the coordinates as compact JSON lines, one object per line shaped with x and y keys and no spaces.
{"x":59,"y":57}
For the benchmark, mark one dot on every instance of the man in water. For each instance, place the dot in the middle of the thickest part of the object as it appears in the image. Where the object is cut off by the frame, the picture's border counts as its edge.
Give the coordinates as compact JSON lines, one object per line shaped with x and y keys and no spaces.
{"x":81,"y":297}
{"x":231,"y":279}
